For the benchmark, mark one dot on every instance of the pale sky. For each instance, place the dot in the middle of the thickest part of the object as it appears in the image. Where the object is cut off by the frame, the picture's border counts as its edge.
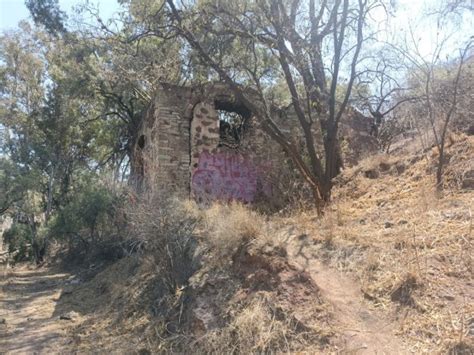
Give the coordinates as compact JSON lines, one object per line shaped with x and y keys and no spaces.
{"x":408,"y":12}
{"x":13,"y":11}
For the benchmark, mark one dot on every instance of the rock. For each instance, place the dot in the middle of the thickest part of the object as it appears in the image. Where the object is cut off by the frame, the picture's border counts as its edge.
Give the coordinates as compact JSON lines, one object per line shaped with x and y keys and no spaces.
{"x":402,"y":222}
{"x":384,"y":166}
{"x":303,"y":236}
{"x":468,"y":180}
{"x":69,"y":316}
{"x":470,"y":130}
{"x":371,"y":174}
{"x":388,"y":224}
{"x":448,"y":297}
{"x":400,"y":168}
{"x":402,"y":292}
{"x":3,"y":321}
{"x":362,"y":221}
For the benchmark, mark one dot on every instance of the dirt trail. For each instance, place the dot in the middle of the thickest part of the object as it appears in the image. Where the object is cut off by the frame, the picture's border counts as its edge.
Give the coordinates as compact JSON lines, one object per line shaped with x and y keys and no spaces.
{"x":359,"y":329}
{"x":28,"y":303}
{"x":28,"y":323}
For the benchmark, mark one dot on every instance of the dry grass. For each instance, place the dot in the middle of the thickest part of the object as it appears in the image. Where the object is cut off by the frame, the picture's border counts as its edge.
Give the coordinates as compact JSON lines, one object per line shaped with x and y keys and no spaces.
{"x":226,"y":227}
{"x":410,"y":249}
{"x":255,"y":329}
{"x":132,"y":304}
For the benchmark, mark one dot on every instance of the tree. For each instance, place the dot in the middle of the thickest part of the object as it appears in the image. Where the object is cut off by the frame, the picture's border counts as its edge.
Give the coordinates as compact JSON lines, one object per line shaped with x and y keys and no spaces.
{"x":383,"y":91}
{"x":444,"y":108}
{"x":438,"y":82}
{"x":48,"y":14}
{"x":314,"y":48}
{"x":70,"y":106}
{"x":45,"y":144}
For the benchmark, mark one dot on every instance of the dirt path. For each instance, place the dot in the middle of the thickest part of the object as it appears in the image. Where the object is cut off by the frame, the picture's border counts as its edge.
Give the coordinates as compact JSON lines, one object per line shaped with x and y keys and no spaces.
{"x":28,"y":322}
{"x":359,"y":329}
{"x":29,"y":297}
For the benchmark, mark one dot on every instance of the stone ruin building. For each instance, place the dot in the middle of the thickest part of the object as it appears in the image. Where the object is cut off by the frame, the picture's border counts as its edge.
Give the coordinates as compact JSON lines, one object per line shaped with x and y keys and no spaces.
{"x":202,"y":142}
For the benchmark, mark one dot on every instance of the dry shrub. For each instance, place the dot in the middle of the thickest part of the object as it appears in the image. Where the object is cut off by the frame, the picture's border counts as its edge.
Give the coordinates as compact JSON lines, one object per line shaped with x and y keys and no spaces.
{"x":163,"y":227}
{"x":463,"y":347}
{"x":329,"y":225}
{"x":376,"y":165}
{"x":228,"y":226}
{"x":253,"y":330}
{"x":245,"y":281}
{"x":427,"y":199}
{"x":257,"y":328}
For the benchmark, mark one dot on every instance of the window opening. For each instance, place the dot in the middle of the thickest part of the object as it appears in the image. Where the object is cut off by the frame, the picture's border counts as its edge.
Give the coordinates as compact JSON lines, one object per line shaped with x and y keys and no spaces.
{"x":233,"y":123}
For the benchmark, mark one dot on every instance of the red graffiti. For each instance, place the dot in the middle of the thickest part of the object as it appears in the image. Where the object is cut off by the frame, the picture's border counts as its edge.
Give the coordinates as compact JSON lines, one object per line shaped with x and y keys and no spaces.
{"x":227,"y":176}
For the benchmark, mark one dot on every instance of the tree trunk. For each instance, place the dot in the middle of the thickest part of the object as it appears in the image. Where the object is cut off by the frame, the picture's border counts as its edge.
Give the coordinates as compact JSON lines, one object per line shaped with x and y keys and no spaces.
{"x":38,"y":250}
{"x":440,"y":168}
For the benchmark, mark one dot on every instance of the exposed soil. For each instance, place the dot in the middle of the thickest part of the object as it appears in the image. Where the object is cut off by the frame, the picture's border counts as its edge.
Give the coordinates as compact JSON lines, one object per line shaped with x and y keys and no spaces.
{"x":30,"y":298}
{"x":387,"y":271}
{"x":28,"y":321}
{"x":358,"y":327}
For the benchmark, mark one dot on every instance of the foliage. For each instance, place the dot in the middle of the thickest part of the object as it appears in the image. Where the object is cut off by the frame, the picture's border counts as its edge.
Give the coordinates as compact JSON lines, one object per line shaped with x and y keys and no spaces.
{"x":19,"y":239}
{"x":88,"y":217}
{"x":47,"y":12}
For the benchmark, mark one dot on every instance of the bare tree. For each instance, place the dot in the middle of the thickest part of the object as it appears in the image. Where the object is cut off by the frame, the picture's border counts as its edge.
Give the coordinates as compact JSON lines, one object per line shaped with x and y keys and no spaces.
{"x":315,"y":47}
{"x":386,"y":92}
{"x":437,"y":83}
{"x":447,"y":106}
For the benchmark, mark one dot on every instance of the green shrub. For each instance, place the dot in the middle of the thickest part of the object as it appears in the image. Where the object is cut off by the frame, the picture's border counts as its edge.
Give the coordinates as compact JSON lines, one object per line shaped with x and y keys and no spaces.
{"x":88,"y":220}
{"x":19,"y":239}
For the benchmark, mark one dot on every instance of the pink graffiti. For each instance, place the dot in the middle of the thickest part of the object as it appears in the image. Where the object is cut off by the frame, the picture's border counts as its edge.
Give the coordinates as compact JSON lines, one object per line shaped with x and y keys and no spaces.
{"x":227,"y":176}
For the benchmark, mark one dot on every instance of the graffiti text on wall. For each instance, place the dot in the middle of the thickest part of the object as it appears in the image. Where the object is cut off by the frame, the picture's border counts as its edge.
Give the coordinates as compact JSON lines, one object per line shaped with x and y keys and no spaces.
{"x":227,"y":176}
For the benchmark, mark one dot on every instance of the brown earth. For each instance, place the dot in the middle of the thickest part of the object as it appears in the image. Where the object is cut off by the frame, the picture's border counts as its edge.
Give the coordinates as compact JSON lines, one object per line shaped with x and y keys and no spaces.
{"x":34,"y":299}
{"x":29,"y":321}
{"x":359,"y":328}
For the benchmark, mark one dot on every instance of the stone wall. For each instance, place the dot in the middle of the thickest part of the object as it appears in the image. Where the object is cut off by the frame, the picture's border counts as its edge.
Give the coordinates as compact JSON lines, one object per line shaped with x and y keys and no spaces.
{"x":161,"y":154}
{"x":179,"y":147}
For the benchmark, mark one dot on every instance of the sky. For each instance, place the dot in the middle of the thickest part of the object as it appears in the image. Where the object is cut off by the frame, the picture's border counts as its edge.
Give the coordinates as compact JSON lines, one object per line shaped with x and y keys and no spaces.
{"x":13,"y":11}
{"x":408,"y":12}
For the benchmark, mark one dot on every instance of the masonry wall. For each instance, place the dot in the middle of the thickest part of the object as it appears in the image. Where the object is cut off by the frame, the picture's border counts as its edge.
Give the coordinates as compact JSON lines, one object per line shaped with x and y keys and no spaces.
{"x":178,"y":148}
{"x":165,"y":157}
{"x":182,"y":152}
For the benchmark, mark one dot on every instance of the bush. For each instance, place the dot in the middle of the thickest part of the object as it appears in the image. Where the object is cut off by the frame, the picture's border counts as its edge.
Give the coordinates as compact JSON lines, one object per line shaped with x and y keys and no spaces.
{"x":90,"y":222}
{"x":163,"y":227}
{"x":229,"y":226}
{"x":19,"y":240}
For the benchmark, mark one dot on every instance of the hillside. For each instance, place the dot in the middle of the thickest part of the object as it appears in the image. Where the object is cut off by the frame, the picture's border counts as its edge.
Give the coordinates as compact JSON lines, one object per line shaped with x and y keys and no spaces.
{"x":388,"y":269}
